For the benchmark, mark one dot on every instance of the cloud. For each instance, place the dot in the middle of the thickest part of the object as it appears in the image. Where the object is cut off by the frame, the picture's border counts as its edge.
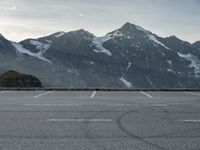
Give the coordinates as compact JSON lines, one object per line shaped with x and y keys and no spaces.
{"x":163,"y":17}
{"x":81,"y":14}
{"x":10,"y":7}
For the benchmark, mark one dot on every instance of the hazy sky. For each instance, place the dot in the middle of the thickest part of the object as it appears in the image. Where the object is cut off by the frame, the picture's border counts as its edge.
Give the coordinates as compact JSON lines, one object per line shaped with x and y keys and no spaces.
{"x":20,"y":19}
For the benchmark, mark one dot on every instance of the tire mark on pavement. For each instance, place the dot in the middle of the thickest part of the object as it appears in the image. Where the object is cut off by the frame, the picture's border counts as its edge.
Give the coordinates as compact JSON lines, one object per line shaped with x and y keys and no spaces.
{"x":134,"y":136}
{"x":167,"y":117}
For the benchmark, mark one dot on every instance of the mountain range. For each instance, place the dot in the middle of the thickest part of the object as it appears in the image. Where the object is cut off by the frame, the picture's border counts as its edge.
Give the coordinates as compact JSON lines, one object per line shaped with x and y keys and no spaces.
{"x":129,"y":57}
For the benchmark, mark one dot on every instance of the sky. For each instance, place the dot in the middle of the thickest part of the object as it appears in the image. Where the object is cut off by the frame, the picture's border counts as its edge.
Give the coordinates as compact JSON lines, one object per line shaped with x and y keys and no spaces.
{"x":21,"y":19}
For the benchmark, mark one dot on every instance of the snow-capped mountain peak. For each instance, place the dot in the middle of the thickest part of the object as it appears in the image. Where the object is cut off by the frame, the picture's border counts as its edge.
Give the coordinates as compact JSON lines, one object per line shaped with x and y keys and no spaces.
{"x":129,"y":31}
{"x":136,"y":35}
{"x":128,"y":27}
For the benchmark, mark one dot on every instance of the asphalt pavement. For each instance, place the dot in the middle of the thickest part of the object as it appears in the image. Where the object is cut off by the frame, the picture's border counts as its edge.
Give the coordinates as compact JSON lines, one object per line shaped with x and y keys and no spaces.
{"x":99,"y":120}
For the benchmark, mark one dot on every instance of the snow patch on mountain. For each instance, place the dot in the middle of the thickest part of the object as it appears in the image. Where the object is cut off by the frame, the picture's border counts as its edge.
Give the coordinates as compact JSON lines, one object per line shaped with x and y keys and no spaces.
{"x":195,"y":63}
{"x":22,"y":50}
{"x":170,"y":70}
{"x":127,"y":83}
{"x":39,"y":45}
{"x":59,"y":34}
{"x":117,"y":33}
{"x":153,"y":38}
{"x":169,"y":62}
{"x":129,"y":65}
{"x":49,"y":41}
{"x":98,"y":42}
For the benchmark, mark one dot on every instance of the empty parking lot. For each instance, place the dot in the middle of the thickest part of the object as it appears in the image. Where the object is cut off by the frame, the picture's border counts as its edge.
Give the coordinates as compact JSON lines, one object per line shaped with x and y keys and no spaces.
{"x":98,"y":120}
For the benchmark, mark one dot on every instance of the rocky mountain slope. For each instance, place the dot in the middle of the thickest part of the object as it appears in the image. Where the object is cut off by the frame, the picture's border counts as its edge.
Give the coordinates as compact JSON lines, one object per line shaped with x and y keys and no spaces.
{"x":16,"y":79}
{"x":197,"y":44}
{"x":129,"y":57}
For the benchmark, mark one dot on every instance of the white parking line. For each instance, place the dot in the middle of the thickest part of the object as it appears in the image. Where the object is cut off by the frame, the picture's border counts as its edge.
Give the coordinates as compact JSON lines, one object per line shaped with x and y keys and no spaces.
{"x":78,"y":105}
{"x":4,"y":92}
{"x":52,"y":105}
{"x":160,"y":105}
{"x":43,"y":94}
{"x":149,"y":96}
{"x":80,"y":120}
{"x":120,"y":105}
{"x":93,"y":94}
{"x":192,"y":93}
{"x":87,"y":105}
{"x":189,"y":120}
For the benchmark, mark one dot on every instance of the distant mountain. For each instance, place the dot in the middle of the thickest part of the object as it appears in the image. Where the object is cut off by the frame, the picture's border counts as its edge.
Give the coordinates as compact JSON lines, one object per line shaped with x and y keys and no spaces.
{"x":16,"y":79}
{"x":129,"y":57}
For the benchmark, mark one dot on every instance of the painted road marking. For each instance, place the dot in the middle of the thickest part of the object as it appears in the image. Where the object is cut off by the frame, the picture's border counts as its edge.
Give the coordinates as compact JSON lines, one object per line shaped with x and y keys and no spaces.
{"x":149,"y":96}
{"x":190,"y":120}
{"x":93,"y":94}
{"x":192,"y":93}
{"x":43,"y":94}
{"x":80,"y":120}
{"x":160,"y":105}
{"x":78,"y":105}
{"x":53,"y":105}
{"x":120,"y":105}
{"x":4,"y":92}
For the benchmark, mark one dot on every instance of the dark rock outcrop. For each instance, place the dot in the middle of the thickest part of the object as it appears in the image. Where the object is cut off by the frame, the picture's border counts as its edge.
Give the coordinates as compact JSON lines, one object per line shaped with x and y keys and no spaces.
{"x":16,"y":79}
